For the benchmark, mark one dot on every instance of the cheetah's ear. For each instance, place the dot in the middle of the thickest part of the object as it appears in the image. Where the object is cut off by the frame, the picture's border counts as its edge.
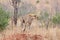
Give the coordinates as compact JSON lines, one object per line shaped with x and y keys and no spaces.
{"x":31,"y":14}
{"x":36,"y":16}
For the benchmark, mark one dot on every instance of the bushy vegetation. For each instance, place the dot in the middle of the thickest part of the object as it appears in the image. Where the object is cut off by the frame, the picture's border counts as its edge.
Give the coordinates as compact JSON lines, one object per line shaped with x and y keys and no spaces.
{"x":3,"y":19}
{"x":44,"y":16}
{"x":56,"y":19}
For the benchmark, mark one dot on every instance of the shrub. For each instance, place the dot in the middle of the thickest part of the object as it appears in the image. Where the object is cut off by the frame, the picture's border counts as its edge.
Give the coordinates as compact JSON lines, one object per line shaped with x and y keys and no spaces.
{"x":3,"y":19}
{"x":56,"y":19}
{"x":44,"y":16}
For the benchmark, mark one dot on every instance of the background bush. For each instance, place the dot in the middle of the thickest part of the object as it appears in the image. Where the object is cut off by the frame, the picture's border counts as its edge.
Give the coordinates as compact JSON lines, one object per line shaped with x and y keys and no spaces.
{"x":3,"y":19}
{"x":56,"y":19}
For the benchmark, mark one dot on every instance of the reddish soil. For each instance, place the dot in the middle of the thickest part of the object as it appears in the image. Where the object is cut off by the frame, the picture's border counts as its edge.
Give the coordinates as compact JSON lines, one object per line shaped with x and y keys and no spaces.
{"x":23,"y":37}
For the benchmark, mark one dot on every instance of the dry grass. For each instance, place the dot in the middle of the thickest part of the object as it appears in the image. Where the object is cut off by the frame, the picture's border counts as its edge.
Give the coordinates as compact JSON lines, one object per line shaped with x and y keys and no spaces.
{"x":50,"y":34}
{"x":11,"y":33}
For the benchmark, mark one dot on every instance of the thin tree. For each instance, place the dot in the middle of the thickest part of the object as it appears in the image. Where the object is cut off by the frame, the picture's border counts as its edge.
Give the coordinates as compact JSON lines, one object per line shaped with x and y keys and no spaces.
{"x":56,"y":7}
{"x":15,"y":6}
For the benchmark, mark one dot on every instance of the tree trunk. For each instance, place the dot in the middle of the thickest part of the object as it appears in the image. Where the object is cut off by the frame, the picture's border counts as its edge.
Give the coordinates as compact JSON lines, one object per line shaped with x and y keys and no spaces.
{"x":15,"y":13}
